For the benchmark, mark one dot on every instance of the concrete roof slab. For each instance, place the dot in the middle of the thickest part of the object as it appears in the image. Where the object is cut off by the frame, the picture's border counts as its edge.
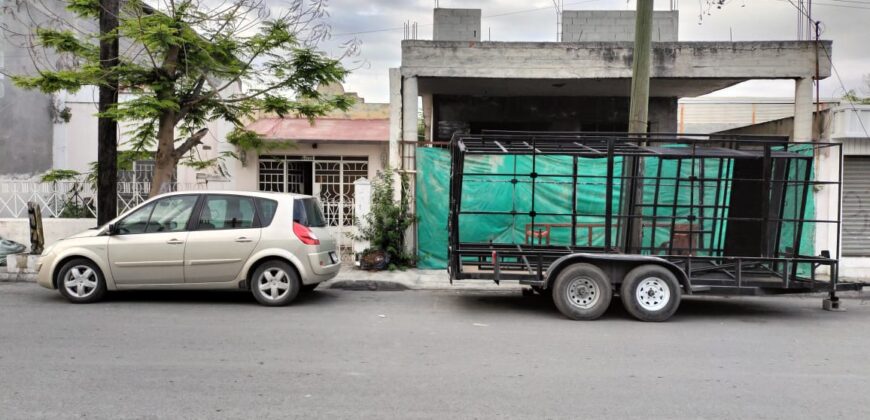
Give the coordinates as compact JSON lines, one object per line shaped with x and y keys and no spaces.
{"x":612,"y":60}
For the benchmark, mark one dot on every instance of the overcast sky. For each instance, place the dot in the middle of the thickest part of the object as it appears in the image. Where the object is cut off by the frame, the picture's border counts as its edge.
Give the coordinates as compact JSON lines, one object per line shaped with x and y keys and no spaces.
{"x":378,"y":25}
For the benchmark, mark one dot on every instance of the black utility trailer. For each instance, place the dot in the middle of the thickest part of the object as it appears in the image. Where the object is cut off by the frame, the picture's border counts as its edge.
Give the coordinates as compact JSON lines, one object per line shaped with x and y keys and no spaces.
{"x":651,"y":217}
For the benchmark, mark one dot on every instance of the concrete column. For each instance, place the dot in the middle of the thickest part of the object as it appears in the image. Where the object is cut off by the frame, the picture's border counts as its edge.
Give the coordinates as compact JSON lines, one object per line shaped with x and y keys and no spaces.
{"x":803,"y":110}
{"x":427,"y":116}
{"x":409,"y":134}
{"x":394,"y":158}
{"x":409,"y":109}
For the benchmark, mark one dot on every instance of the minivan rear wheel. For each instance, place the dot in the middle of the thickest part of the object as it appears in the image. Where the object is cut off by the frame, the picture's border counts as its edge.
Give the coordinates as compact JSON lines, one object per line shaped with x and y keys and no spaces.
{"x":275,"y":283}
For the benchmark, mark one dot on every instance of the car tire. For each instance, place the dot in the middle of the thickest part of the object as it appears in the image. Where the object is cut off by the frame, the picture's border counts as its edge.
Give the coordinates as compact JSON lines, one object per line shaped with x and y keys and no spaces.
{"x":81,"y":281}
{"x":650,"y":293}
{"x":275,"y":283}
{"x":582,"y":292}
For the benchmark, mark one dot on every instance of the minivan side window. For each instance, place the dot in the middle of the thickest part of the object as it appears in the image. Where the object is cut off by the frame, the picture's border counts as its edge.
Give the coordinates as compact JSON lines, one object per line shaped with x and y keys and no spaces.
{"x":135,"y":222}
{"x":226,"y":212}
{"x":171,"y":214}
{"x":268,"y":209}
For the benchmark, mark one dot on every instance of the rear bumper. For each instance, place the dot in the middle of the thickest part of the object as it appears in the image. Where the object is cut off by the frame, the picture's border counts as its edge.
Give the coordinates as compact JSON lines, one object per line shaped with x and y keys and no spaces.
{"x":323,"y":267}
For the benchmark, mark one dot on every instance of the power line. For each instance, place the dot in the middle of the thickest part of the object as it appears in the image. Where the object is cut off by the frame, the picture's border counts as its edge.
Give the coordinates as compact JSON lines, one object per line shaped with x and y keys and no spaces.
{"x":847,"y":6}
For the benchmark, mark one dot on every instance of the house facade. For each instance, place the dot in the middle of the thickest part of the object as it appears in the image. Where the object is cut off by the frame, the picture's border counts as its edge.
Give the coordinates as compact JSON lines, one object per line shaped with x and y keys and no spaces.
{"x":465,"y":84}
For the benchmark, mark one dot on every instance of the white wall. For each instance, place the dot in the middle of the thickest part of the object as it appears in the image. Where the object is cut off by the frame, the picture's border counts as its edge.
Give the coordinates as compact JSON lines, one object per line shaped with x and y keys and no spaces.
{"x":75,"y":142}
{"x":18,"y":230}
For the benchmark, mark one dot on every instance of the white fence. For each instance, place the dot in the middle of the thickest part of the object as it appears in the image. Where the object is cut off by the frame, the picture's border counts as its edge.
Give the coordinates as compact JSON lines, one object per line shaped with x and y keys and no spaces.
{"x":71,"y":199}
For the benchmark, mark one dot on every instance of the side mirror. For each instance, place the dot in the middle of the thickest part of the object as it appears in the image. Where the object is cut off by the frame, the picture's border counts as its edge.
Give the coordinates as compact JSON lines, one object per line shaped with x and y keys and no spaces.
{"x":111,"y":230}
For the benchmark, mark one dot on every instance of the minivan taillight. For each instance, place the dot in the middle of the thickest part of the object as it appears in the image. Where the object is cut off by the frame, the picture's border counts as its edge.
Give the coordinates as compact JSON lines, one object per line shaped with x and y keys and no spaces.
{"x":305,"y":234}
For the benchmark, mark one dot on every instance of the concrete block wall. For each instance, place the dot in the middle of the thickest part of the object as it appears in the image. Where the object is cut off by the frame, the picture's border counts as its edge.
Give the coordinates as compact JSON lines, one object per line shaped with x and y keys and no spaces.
{"x":456,"y":25}
{"x":615,"y":25}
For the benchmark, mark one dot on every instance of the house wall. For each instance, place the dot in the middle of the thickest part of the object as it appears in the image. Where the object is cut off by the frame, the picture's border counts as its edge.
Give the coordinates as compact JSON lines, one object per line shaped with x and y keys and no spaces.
{"x":456,"y":24}
{"x":615,"y":25}
{"x":25,"y":116}
{"x":246,"y":176}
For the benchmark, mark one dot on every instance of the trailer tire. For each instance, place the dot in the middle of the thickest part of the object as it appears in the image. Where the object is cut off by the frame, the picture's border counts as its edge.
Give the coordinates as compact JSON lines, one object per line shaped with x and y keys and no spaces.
{"x":650,"y":293}
{"x":582,"y":292}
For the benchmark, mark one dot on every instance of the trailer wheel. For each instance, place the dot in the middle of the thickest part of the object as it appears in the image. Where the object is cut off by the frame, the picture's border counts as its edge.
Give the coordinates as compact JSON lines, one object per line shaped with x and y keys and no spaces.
{"x":582,"y":292}
{"x":650,"y":293}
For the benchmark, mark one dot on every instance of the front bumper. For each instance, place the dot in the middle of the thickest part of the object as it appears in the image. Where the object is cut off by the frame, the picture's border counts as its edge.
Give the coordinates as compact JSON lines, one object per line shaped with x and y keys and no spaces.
{"x":44,"y":266}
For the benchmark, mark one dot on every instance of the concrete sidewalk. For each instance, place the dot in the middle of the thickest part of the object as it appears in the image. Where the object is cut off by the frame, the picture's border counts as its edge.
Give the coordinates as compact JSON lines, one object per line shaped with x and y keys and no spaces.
{"x":351,"y":278}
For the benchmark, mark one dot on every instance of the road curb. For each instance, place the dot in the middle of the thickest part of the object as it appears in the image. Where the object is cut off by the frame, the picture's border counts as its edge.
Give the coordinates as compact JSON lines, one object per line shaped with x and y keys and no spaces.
{"x":17,"y":277}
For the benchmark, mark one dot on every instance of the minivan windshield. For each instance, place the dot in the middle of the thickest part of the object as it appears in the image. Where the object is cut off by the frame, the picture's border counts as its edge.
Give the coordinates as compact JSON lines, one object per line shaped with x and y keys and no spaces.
{"x":306,"y":211}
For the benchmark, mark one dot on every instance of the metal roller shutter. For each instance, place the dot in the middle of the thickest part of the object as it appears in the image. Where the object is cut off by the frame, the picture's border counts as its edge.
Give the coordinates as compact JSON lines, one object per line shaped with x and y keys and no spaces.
{"x":856,"y":206}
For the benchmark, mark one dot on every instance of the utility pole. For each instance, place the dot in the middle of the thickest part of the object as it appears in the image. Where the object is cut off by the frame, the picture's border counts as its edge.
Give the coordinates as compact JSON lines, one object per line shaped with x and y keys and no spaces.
{"x":638,"y":116}
{"x":107,"y":128}
{"x":640,"y":68}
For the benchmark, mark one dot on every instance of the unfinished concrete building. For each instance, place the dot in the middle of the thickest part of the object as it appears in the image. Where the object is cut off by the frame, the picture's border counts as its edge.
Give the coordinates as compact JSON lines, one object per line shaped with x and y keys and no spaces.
{"x":581,"y":84}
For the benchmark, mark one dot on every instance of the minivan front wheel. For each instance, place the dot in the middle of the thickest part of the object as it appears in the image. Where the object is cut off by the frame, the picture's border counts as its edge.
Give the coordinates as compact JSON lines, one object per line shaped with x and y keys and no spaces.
{"x":275,"y":283}
{"x":81,"y":281}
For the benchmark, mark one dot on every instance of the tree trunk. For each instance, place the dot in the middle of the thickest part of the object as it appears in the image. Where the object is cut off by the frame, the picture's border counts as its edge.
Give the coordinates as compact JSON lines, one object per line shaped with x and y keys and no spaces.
{"x":165,"y":162}
{"x":107,"y":128}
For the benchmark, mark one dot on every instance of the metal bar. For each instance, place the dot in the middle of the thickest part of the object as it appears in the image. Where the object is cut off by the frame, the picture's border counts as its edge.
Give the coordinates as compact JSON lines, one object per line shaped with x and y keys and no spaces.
{"x":692,"y":200}
{"x":782,"y":201}
{"x":655,"y":206}
{"x":674,"y":207}
{"x":574,"y":203}
{"x":533,"y":177}
{"x":716,"y":206}
{"x":798,"y":232}
{"x":608,"y":206}
{"x":765,"y":201}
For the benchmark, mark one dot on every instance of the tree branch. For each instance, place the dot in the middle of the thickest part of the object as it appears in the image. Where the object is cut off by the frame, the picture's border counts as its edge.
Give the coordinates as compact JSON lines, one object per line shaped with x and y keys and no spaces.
{"x":190,"y":143}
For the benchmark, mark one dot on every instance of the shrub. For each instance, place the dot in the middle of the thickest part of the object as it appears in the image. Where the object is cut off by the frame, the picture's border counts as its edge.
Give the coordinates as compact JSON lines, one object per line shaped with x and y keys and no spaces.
{"x":386,"y":223}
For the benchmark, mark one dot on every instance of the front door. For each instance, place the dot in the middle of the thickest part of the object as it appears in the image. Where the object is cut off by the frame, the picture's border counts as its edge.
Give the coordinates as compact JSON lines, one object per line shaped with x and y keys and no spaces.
{"x":148,"y":246}
{"x":224,"y":236}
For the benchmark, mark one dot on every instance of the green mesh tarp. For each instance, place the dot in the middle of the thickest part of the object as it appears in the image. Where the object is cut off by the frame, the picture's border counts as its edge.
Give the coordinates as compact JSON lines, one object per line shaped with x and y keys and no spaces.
{"x":488,"y":187}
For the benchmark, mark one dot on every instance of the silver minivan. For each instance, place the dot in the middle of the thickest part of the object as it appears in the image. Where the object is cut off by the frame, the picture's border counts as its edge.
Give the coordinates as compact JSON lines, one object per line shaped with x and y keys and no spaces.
{"x":275,"y":245}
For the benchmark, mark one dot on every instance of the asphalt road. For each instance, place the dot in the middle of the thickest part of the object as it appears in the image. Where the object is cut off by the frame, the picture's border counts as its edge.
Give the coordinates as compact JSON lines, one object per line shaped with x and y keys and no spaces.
{"x":433,"y":354}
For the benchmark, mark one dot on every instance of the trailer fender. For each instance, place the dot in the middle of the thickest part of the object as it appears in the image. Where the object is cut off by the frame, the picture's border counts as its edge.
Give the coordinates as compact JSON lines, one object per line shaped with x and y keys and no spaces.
{"x":628,"y":261}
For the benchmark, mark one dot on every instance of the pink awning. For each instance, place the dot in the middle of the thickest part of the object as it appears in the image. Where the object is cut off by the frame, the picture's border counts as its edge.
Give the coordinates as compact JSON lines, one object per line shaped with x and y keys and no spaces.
{"x":323,"y":129}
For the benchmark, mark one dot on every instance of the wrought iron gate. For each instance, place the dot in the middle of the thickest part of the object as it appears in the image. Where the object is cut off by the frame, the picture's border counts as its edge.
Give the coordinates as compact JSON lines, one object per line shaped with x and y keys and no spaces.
{"x":331,"y":179}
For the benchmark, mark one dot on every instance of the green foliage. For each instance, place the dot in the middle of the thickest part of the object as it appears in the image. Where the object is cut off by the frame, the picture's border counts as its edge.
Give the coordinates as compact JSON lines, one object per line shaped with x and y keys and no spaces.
{"x":853,"y":97}
{"x":386,"y":223}
{"x":56,"y":175}
{"x":248,"y":140}
{"x":73,"y":203}
{"x":184,"y":62}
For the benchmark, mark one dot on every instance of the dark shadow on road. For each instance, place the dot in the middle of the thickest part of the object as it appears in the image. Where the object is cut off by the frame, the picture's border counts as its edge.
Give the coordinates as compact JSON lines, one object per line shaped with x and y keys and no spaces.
{"x":745,"y":309}
{"x":208,"y":297}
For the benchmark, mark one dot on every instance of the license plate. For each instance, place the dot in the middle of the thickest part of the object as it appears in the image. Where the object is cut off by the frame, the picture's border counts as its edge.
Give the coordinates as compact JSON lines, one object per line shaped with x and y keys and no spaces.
{"x":333,"y":257}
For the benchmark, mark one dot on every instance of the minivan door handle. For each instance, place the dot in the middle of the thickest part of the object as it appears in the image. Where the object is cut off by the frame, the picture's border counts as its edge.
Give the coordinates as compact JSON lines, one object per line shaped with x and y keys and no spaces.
{"x":174,"y":242}
{"x":243,"y":239}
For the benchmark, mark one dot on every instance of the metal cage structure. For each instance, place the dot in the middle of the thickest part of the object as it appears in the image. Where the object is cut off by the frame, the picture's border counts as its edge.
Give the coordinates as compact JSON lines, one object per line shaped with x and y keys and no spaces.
{"x":731,"y":214}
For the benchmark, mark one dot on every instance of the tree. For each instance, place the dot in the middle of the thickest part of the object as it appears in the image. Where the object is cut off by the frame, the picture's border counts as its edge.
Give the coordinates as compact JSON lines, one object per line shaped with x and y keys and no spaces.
{"x":107,"y":127}
{"x":185,"y":61}
{"x":855,"y":97}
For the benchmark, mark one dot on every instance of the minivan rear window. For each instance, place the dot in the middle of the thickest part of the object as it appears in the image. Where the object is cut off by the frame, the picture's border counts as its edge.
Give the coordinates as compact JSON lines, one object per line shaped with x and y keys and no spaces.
{"x":306,"y":211}
{"x":267,"y":210}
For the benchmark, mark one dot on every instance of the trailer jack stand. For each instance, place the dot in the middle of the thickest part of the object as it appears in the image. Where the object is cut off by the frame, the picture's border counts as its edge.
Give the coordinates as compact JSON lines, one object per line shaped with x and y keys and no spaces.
{"x":832,"y":304}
